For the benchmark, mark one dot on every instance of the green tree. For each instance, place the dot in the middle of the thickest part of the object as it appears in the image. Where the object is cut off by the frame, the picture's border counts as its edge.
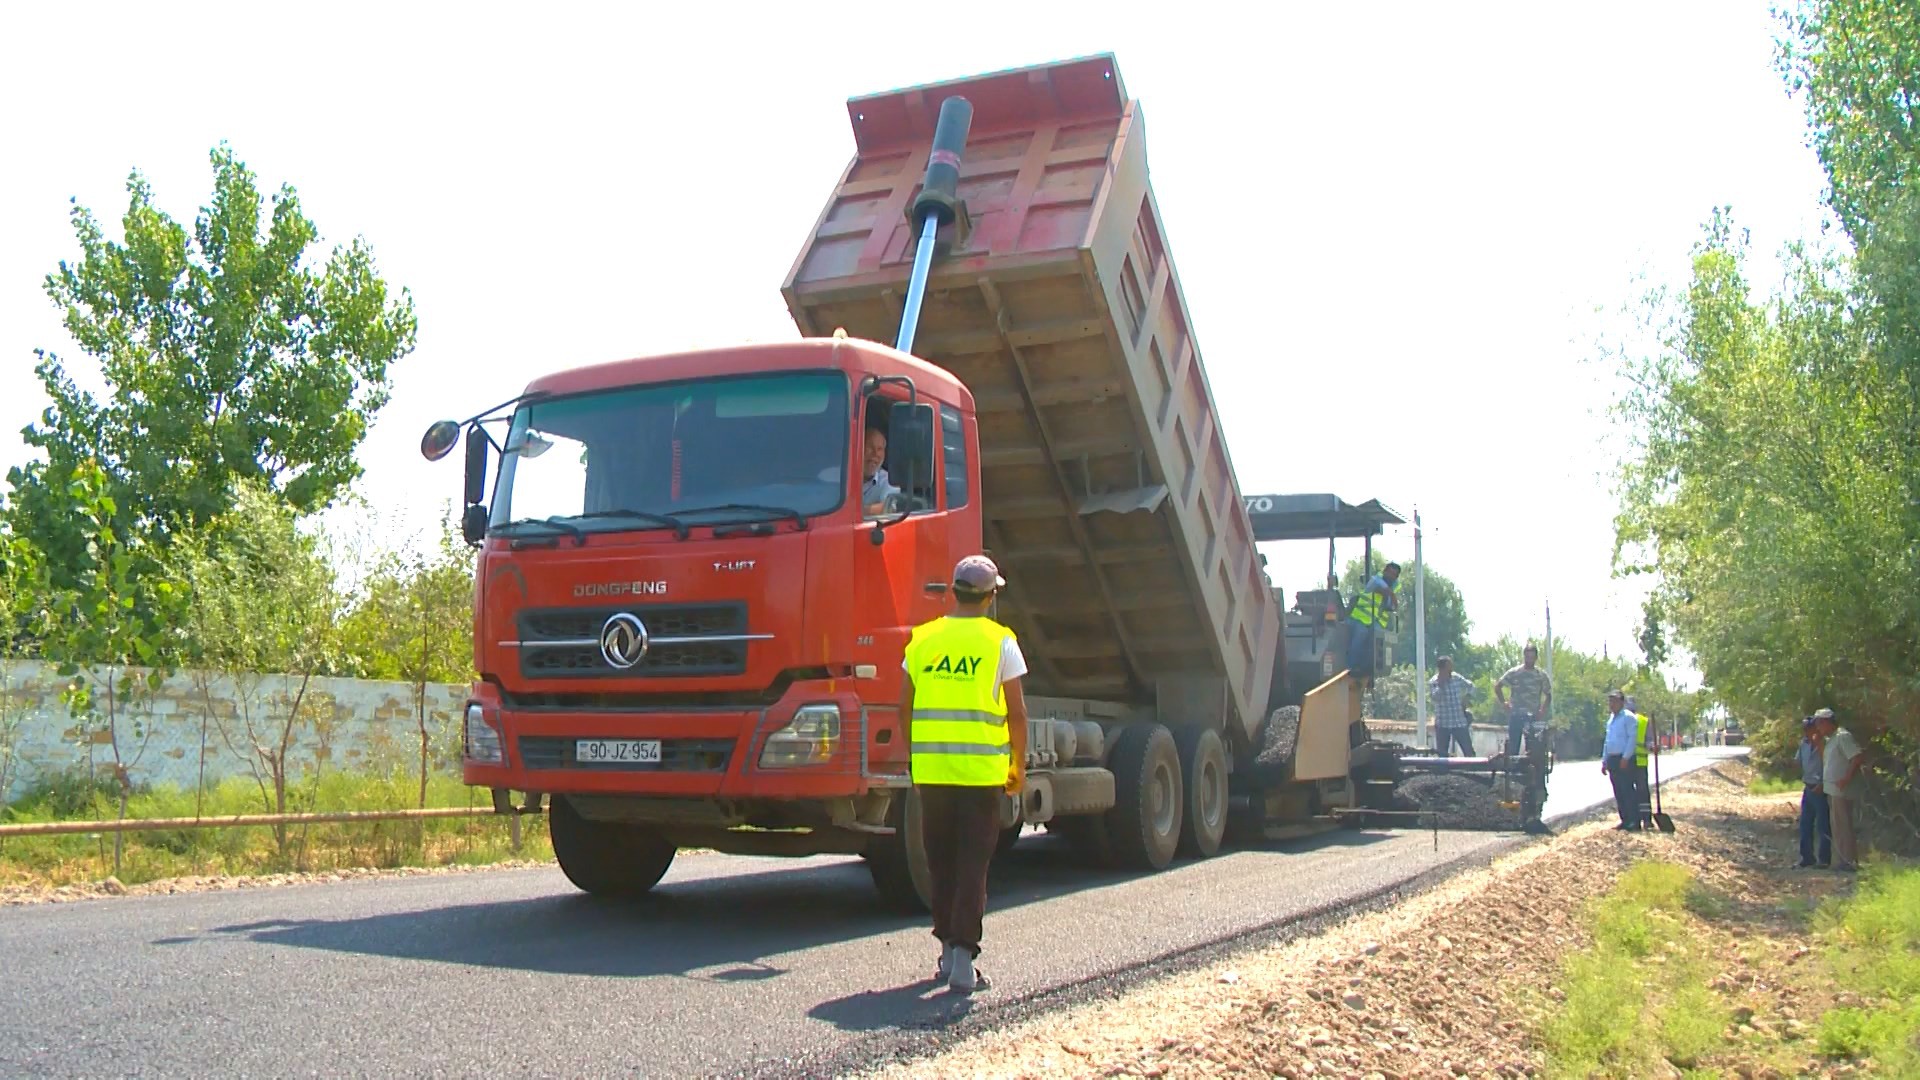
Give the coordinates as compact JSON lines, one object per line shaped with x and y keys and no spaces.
{"x":1774,"y":492}
{"x":1856,"y":66}
{"x":227,"y":354}
{"x":23,"y":614}
{"x":110,"y":632}
{"x":265,"y":620}
{"x":413,"y":623}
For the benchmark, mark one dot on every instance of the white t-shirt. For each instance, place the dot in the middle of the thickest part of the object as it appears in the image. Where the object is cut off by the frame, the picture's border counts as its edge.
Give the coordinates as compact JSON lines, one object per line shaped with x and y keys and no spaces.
{"x":1012,"y":663}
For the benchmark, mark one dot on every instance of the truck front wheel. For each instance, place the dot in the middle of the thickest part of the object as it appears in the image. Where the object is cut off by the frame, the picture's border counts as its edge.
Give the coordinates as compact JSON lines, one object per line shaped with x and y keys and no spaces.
{"x":606,"y":858}
{"x":898,"y":863}
{"x":1203,"y":763}
{"x":1144,"y":824}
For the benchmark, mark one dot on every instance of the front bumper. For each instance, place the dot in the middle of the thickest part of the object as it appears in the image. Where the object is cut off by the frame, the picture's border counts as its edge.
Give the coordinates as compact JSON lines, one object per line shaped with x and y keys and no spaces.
{"x":704,"y":753}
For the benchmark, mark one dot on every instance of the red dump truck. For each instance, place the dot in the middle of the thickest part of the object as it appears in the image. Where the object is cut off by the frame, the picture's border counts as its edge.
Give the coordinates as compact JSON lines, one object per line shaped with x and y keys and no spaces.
{"x":690,"y":614}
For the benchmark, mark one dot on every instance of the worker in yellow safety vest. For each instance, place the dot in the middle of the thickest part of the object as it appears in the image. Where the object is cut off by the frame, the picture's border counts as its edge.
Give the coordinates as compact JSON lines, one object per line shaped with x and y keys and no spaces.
{"x":1642,"y":744}
{"x":966,"y":718}
{"x":1368,"y":617}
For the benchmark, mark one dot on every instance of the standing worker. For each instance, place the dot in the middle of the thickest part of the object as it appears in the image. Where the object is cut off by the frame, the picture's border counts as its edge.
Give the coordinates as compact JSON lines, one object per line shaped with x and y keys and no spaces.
{"x":966,"y":718}
{"x":1452,"y":724}
{"x":1532,"y":697}
{"x":1816,"y":831}
{"x":1642,"y":747}
{"x":1840,"y":765}
{"x":1616,"y":755}
{"x":1368,"y":617}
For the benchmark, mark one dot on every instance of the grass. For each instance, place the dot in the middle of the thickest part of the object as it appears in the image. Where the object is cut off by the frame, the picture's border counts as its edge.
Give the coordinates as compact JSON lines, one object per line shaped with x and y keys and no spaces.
{"x":147,"y":856}
{"x":1872,"y":946}
{"x":1762,"y":784}
{"x":1639,"y":998}
{"x":1639,"y":994}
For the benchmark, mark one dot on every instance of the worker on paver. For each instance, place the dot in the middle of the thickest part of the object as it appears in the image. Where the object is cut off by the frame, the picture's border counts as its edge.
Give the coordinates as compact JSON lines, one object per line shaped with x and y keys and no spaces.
{"x":1840,"y":766}
{"x":1532,"y":691}
{"x":966,"y":718}
{"x":1368,"y":617}
{"x":1816,"y":829}
{"x":1642,"y":752}
{"x":1616,"y":756}
{"x":1452,"y":725}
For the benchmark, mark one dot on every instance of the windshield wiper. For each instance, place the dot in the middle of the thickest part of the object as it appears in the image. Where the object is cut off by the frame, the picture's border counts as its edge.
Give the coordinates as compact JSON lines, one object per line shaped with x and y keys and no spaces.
{"x":579,"y":535}
{"x":799,"y":519}
{"x":668,"y":520}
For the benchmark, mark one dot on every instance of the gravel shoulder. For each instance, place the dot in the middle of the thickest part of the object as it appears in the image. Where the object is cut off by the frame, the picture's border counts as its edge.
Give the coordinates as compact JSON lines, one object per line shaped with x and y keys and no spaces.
{"x":1453,"y":981}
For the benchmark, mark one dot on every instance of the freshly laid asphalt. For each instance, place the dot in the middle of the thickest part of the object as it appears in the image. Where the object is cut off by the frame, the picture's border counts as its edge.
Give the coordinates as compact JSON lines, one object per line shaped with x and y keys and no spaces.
{"x":733,"y":966}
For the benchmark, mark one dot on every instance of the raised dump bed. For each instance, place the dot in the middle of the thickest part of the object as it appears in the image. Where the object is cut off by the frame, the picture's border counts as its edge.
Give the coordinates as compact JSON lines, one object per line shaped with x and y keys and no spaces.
{"x":1108,"y":493}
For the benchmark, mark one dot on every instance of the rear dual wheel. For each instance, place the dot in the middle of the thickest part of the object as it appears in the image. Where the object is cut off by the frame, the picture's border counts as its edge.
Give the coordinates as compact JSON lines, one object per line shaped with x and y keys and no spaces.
{"x":1203,"y":767}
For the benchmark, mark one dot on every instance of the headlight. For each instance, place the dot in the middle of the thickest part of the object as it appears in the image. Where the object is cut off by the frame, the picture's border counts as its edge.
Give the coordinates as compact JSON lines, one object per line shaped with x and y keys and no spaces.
{"x":808,"y":739}
{"x":483,"y":743}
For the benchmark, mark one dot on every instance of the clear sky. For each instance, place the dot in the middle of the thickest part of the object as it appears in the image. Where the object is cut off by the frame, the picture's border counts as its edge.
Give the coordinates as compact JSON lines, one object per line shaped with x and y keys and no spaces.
{"x":1400,"y":227}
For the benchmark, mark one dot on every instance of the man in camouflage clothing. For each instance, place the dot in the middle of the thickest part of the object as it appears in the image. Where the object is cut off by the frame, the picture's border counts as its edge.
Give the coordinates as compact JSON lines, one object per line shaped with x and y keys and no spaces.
{"x":1532,"y":692}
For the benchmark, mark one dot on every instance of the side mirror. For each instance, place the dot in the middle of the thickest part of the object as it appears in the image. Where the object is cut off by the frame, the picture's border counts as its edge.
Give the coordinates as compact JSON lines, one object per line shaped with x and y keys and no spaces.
{"x":439,"y":440}
{"x":473,"y":525}
{"x":477,"y":443}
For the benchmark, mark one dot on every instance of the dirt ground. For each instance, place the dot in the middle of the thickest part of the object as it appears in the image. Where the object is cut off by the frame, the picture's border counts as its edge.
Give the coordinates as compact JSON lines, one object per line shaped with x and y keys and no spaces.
{"x":1454,"y":982}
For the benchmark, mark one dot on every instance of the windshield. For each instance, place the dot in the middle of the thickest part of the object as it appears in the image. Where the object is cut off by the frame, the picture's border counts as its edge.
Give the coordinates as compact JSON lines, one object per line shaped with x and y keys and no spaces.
{"x":750,"y":448}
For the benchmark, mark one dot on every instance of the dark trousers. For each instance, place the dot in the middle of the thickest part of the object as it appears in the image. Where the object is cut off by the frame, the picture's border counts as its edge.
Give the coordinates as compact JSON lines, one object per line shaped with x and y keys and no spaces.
{"x":1517,"y":722}
{"x":1625,"y":798}
{"x":1447,"y":737}
{"x":1643,"y":796}
{"x":1815,"y":825}
{"x":961,"y":826}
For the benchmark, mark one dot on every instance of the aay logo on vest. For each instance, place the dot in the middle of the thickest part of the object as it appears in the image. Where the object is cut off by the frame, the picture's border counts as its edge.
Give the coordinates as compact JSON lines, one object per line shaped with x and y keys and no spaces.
{"x":952,"y":667}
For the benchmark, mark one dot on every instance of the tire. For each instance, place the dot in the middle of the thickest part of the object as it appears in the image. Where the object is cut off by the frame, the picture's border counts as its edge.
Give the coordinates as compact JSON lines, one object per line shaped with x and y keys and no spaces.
{"x":898,"y":863}
{"x":1008,"y":838}
{"x":1203,"y":773}
{"x":1144,"y":824}
{"x":1087,"y":836}
{"x":605,"y":858}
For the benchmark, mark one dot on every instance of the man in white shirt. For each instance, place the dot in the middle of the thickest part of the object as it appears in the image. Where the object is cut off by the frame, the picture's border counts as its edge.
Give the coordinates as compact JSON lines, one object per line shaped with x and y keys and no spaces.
{"x":1616,"y":760}
{"x":874,"y":485}
{"x":1840,"y":766}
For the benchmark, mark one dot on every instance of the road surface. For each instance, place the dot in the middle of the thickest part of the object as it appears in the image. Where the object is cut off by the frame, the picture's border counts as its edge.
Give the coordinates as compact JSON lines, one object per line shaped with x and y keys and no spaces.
{"x":734,"y":966}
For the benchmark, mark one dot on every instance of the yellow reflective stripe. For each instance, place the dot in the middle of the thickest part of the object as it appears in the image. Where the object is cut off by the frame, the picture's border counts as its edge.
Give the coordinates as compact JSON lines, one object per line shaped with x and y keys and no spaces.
{"x":975,"y":716}
{"x":957,"y":731}
{"x":942,"y":748}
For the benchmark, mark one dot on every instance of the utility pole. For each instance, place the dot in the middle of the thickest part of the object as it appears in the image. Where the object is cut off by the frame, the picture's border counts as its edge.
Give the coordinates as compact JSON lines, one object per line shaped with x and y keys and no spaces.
{"x":1543,"y":718}
{"x":1419,"y":629}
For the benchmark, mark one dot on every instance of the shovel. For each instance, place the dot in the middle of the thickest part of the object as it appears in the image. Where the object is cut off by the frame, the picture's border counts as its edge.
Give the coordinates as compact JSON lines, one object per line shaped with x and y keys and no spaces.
{"x":1660,"y":818}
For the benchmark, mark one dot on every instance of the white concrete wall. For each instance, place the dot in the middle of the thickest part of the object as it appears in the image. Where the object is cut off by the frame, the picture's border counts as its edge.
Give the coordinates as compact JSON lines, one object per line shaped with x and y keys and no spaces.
{"x":196,"y":726}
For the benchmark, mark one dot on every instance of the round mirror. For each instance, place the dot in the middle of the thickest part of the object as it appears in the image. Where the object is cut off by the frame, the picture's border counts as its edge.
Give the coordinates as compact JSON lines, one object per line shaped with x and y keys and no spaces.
{"x":439,"y":440}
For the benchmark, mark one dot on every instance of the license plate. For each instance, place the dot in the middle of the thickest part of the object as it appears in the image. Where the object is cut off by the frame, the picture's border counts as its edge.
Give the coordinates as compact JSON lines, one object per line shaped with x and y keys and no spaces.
{"x":621,"y":751}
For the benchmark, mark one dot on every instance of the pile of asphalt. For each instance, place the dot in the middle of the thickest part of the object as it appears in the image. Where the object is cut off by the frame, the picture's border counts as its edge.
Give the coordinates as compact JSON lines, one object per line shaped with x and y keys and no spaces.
{"x":1281,"y":736}
{"x":1463,"y":802}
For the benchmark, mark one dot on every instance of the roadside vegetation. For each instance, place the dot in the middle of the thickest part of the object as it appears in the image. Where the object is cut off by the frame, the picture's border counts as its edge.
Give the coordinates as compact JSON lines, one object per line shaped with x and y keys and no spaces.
{"x":1679,"y":977}
{"x":1638,"y":995}
{"x":51,"y":861}
{"x":1771,"y":479}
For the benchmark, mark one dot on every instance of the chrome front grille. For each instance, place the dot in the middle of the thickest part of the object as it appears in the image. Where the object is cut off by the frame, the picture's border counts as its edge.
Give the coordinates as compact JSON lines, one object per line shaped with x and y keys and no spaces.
{"x":684,"y":640}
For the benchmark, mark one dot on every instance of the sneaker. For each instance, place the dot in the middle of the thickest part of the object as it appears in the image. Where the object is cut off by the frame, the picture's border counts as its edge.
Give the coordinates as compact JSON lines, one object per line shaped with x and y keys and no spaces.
{"x":943,"y":966}
{"x":1803,"y":866}
{"x":966,"y":978}
{"x":1623,"y":827}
